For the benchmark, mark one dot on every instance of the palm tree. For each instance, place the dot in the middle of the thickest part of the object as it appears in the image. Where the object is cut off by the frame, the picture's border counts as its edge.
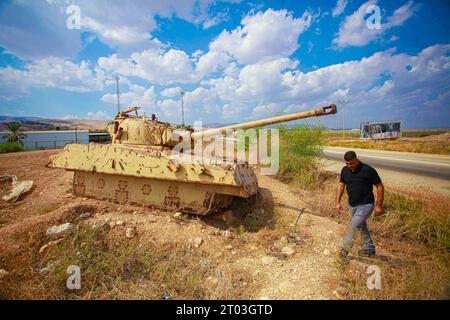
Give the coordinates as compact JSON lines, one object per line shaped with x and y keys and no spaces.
{"x":14,"y":134}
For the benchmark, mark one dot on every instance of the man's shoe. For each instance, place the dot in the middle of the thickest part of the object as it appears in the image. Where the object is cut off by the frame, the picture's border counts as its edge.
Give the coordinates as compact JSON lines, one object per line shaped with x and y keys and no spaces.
{"x":366,"y":253}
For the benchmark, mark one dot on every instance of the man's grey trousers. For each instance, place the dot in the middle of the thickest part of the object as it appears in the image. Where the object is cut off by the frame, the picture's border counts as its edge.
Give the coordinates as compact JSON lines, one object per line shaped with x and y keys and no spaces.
{"x":360,"y":214}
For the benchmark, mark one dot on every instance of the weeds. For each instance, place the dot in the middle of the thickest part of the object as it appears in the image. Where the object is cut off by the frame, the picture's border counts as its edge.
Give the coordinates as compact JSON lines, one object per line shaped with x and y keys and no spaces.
{"x":116,"y":268}
{"x":394,"y":145}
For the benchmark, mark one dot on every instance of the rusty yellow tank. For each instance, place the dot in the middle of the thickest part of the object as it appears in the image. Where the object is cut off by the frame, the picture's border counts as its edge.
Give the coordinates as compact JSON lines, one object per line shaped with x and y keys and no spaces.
{"x":136,"y":166}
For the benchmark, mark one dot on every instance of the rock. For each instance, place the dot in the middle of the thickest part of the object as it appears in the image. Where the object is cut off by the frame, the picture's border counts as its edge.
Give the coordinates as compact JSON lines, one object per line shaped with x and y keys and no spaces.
{"x":229,"y":247}
{"x":107,"y":220}
{"x":51,"y":243}
{"x":18,"y":188}
{"x":3,"y":273}
{"x":61,"y":229}
{"x":226,"y":233}
{"x":287,"y":251}
{"x":233,"y":252}
{"x":177,"y":214}
{"x":136,"y":212}
{"x":120,"y":223}
{"x":266,"y":260}
{"x":112,"y":224}
{"x":326,"y":252}
{"x":131,"y":232}
{"x":198,"y":242}
{"x":152,"y":219}
{"x":85,"y":215}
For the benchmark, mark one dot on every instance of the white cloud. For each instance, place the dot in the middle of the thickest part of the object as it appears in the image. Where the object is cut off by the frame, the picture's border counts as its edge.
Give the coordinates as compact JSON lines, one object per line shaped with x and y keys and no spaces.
{"x":384,"y":80}
{"x":267,"y":110}
{"x":137,"y":96}
{"x":340,"y":7}
{"x":264,"y":80}
{"x":99,"y":115}
{"x":264,"y":36}
{"x":156,"y":66}
{"x":354,"y":31}
{"x":212,"y":61}
{"x":41,"y":25}
{"x":50,"y":72}
{"x":128,"y":27}
{"x":200,"y":101}
{"x":171,"y":92}
{"x":71,"y":117}
{"x":217,"y":19}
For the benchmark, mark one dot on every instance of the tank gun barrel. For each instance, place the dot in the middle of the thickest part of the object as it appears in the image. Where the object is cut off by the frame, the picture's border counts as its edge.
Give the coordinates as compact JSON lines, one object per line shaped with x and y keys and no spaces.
{"x":331,"y":109}
{"x":130,"y":109}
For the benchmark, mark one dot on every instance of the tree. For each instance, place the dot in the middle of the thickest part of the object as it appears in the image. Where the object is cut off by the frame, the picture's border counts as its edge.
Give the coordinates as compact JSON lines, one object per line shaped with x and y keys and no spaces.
{"x":14,"y":134}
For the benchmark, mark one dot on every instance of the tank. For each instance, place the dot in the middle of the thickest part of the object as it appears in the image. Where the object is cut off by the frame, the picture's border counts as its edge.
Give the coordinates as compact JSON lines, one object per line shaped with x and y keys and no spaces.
{"x":136,"y":166}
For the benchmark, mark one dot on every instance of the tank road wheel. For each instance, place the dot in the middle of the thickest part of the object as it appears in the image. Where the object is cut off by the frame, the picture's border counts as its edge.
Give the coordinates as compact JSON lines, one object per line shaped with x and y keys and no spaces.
{"x":160,"y":194}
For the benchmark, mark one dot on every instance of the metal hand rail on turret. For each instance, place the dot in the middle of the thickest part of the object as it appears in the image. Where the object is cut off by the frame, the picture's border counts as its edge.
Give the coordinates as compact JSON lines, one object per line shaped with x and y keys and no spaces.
{"x":331,"y":109}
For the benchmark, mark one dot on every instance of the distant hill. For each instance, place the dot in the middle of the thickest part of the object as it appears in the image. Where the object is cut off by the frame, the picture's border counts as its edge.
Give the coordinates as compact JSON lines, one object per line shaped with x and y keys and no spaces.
{"x":42,"y":124}
{"x":21,"y":119}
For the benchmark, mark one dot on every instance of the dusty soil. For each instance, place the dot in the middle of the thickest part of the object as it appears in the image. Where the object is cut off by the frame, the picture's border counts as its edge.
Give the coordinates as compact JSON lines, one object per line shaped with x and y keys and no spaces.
{"x":309,"y":271}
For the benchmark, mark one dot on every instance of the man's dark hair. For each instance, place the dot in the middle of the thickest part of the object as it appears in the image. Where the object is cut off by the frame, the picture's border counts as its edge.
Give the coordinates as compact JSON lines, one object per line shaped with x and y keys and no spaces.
{"x":349,"y":155}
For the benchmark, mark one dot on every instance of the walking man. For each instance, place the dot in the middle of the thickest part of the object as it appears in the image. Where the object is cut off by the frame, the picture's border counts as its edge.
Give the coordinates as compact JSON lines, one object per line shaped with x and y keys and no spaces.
{"x":359,"y":178}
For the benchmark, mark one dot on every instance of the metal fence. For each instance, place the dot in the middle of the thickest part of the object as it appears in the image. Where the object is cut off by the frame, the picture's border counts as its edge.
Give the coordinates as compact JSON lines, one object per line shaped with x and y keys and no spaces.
{"x":52,"y":144}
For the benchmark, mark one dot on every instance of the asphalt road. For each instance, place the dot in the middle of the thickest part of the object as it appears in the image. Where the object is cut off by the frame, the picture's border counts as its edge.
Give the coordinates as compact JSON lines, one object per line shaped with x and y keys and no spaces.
{"x":437,"y":166}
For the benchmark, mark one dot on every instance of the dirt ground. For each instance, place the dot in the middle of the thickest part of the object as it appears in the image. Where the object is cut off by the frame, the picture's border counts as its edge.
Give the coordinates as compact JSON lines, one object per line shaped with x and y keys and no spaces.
{"x":279,"y":263}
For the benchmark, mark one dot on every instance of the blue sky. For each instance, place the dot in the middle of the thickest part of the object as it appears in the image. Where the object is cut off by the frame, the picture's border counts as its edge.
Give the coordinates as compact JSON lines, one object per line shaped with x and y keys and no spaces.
{"x":234,"y":60}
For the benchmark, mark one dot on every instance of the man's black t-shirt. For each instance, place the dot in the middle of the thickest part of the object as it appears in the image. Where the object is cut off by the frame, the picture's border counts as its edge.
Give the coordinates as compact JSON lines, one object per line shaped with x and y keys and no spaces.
{"x":359,"y":184}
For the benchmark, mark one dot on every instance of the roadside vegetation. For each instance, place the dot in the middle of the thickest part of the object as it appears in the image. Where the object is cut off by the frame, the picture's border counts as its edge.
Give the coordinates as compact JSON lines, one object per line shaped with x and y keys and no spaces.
{"x":401,"y":145}
{"x":414,"y":229}
{"x":432,"y":141}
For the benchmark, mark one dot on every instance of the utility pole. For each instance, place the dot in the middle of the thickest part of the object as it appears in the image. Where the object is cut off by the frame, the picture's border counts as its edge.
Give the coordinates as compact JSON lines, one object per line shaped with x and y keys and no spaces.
{"x":118,"y":93}
{"x":182,"y":107}
{"x":343,"y":103}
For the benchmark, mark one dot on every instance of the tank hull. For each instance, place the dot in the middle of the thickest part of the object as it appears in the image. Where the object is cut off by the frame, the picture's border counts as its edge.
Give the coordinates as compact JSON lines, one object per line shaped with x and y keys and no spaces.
{"x":159,"y":194}
{"x":148,"y":178}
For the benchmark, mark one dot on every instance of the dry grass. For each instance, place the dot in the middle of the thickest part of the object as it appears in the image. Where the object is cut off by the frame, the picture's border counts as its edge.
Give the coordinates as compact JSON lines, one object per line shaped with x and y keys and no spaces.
{"x":116,"y":268}
{"x":414,"y":230}
{"x":394,"y":145}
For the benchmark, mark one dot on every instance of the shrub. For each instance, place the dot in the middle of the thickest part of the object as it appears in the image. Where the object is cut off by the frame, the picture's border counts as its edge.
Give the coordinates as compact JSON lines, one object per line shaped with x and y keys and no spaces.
{"x":299,"y":149}
{"x":6,"y":147}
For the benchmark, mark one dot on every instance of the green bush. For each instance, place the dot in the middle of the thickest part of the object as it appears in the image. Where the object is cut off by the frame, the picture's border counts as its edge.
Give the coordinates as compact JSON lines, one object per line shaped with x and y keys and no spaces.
{"x":299,"y":149}
{"x":6,"y":147}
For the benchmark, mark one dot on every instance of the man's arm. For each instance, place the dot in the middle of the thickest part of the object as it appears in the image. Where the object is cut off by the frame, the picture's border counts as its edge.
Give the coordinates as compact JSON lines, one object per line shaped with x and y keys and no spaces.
{"x":339,"y":192}
{"x":380,"y":199}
